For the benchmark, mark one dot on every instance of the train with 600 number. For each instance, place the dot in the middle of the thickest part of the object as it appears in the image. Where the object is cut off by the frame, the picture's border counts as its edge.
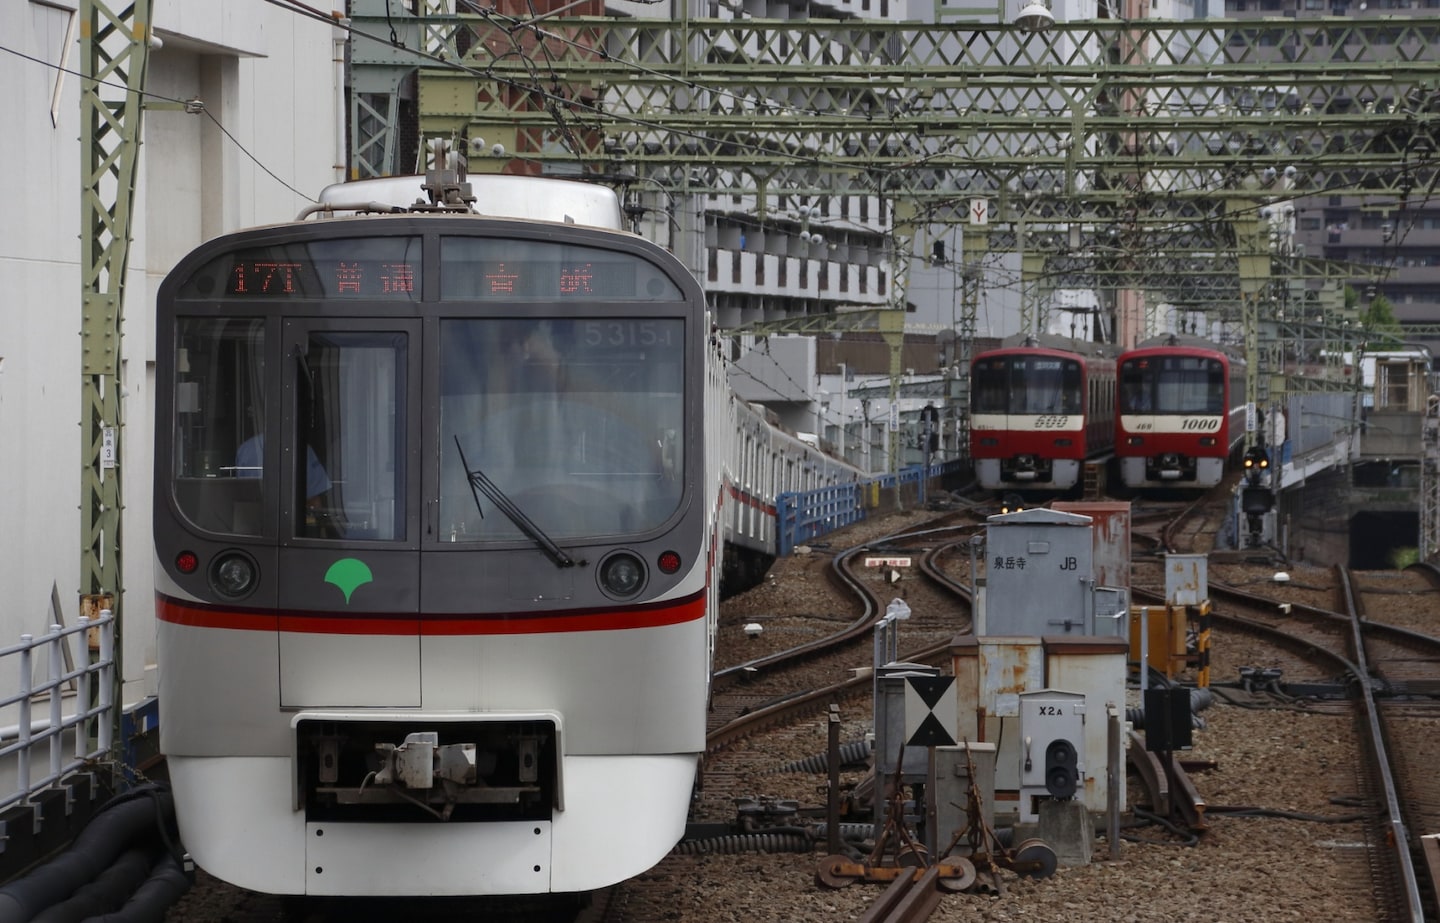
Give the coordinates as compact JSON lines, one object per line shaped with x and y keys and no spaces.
{"x":1041,"y":407}
{"x":1181,"y":418}
{"x":437,"y":542}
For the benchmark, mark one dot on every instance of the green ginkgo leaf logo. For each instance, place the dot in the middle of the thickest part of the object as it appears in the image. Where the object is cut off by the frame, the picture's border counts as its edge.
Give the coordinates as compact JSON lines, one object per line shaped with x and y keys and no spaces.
{"x":349,"y":574}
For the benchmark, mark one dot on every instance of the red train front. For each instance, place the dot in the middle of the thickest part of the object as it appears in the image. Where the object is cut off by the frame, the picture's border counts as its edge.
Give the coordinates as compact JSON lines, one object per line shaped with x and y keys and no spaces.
{"x":1182,"y":413}
{"x":1038,"y":411}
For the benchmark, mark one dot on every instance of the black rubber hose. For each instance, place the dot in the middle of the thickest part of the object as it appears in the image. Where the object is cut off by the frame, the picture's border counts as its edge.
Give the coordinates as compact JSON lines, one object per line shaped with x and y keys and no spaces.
{"x":119,"y":823}
{"x":168,"y":882}
{"x":854,"y":752}
{"x":109,"y":891}
{"x":783,"y":839}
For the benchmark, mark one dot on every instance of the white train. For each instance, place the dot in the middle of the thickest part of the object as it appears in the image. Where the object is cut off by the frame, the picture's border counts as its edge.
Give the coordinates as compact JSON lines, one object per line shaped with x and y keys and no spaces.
{"x":439,"y":500}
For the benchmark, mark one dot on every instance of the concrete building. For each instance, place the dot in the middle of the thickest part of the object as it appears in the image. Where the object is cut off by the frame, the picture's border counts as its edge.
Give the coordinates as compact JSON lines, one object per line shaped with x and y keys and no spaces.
{"x":264,"y":143}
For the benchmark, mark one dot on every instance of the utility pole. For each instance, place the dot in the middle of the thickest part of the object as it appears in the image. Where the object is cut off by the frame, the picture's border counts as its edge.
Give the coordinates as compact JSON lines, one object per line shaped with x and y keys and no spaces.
{"x":892,"y":324}
{"x":116,"y":52}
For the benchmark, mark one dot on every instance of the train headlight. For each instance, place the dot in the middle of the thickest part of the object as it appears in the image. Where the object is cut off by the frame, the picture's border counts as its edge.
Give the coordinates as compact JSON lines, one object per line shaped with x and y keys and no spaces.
{"x":622,"y":575}
{"x":233,"y":575}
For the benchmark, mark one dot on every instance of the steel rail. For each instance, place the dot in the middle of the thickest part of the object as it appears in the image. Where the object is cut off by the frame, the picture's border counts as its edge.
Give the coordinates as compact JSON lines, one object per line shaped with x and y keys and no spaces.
{"x":1352,"y":629}
{"x":1398,"y":837}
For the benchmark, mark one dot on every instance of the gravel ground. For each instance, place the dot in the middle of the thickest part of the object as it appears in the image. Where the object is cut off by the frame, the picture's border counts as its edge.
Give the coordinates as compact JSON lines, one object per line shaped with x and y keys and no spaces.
{"x":1296,"y":855}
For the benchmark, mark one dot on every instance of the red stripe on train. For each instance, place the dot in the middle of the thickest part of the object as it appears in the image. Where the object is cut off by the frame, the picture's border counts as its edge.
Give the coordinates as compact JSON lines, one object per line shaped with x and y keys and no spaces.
{"x":746,"y":499}
{"x":654,"y":615}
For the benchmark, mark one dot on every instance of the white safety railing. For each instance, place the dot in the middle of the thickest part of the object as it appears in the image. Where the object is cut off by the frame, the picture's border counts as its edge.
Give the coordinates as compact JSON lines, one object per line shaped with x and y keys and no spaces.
{"x":64,"y":705}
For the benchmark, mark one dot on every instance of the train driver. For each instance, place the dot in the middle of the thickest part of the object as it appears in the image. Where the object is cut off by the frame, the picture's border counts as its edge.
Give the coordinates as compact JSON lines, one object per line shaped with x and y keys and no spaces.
{"x":250,"y":459}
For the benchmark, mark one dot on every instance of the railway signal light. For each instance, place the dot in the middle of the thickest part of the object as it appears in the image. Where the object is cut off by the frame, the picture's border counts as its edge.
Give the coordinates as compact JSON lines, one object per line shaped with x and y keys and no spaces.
{"x":1256,"y":461}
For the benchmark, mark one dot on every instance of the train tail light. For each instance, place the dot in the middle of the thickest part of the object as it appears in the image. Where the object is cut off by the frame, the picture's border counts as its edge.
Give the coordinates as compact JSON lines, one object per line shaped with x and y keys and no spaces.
{"x":668,"y":562}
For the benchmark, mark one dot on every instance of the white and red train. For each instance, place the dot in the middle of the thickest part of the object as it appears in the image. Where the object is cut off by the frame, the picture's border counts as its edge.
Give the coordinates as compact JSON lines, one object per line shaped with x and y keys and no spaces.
{"x":439,"y":506}
{"x":1181,"y":416}
{"x":1040,"y":408}
{"x":1171,"y":411}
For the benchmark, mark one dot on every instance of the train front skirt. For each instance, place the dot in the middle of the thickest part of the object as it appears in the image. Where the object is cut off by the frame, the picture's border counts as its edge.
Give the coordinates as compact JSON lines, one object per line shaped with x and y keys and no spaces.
{"x":242,"y":828}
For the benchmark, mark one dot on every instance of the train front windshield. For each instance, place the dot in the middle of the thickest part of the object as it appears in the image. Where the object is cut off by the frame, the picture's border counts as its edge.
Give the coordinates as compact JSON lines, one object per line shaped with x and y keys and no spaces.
{"x":1022,"y":384}
{"x":1172,"y":384}
{"x":577,"y":422}
{"x":536,"y":387}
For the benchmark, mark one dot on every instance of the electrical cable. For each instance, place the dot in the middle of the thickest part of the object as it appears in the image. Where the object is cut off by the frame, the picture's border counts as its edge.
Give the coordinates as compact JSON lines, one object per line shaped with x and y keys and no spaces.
{"x":158,"y":96}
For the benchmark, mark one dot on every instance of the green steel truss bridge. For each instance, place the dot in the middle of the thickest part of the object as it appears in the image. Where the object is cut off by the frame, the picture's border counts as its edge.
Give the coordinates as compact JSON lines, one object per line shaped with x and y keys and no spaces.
{"x":1137,"y":153}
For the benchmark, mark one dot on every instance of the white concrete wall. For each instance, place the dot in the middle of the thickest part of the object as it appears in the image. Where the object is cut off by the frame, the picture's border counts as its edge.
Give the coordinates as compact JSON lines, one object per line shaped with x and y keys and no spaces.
{"x":267,"y":76}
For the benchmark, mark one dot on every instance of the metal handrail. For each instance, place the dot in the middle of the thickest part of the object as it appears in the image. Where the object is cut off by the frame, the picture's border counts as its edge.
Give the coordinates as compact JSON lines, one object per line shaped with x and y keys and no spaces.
{"x":89,"y":720}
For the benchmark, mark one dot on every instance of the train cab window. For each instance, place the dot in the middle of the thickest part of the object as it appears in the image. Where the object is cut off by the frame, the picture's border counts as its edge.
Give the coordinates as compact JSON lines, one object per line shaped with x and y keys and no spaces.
{"x":1049,"y":386}
{"x":1191,"y":384}
{"x":990,"y":386}
{"x":1028,"y":385}
{"x":349,"y":461}
{"x":219,"y":402}
{"x":574,"y":424}
{"x":1137,"y":386}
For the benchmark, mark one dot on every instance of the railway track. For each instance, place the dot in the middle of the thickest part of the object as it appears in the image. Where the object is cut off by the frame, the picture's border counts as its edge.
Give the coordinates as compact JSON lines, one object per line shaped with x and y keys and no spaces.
{"x":1376,"y":663}
{"x":738,"y":713}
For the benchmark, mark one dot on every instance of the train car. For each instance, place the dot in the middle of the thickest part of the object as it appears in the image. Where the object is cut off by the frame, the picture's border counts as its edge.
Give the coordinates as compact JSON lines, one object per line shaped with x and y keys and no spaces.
{"x":1040,"y":408}
{"x":1181,"y":413}
{"x":762,"y":461}
{"x":436,"y":516}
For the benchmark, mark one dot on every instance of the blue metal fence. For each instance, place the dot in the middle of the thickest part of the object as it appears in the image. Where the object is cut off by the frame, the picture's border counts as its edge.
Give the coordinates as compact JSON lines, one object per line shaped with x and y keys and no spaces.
{"x":803,"y":516}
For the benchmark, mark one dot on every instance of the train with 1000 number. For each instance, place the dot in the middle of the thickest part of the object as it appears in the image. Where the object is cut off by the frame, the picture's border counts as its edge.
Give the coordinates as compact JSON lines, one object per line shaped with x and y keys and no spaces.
{"x":1182,"y":413}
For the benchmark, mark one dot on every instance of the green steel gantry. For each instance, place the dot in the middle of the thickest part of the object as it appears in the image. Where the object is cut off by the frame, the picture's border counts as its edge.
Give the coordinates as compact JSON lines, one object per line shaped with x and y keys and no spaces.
{"x":1115,"y":155}
{"x":116,"y":51}
{"x":1128,"y":154}
{"x":1129,"y":150}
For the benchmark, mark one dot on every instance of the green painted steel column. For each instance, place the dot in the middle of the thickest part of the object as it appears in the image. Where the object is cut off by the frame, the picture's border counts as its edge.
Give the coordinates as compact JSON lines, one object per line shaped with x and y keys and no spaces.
{"x":116,"y":52}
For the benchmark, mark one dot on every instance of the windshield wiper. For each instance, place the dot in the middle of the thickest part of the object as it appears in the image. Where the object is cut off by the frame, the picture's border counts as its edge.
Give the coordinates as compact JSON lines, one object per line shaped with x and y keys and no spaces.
{"x":480,"y":483}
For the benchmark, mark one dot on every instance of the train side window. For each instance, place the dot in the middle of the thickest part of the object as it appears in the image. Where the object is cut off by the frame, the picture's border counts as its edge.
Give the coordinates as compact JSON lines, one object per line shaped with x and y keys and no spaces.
{"x":219,"y":402}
